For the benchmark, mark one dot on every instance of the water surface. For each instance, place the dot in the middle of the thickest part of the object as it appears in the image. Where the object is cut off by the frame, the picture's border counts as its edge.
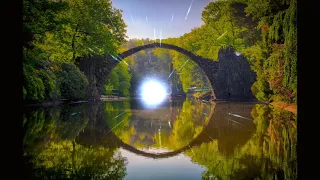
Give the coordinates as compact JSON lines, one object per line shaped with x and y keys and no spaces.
{"x":180,"y":139}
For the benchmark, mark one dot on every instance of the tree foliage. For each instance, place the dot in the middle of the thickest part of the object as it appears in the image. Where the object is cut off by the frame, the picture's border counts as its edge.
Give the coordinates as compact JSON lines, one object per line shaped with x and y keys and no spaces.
{"x":263,"y":31}
{"x":55,"y":34}
{"x":86,"y":27}
{"x":119,"y":79}
{"x":33,"y":84}
{"x":72,"y":82}
{"x":278,"y":25}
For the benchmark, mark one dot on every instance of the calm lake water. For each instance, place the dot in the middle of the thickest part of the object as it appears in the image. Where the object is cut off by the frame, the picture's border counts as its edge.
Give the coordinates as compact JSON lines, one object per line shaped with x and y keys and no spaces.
{"x":182,"y":139}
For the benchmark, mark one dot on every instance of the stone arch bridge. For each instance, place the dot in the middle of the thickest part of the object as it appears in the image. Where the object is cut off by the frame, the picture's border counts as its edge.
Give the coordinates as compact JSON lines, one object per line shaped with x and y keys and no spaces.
{"x":230,"y":76}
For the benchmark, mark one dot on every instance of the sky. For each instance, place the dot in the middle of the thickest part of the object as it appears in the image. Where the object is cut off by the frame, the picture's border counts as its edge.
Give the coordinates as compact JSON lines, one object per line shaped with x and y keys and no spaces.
{"x":144,"y":17}
{"x":177,"y":167}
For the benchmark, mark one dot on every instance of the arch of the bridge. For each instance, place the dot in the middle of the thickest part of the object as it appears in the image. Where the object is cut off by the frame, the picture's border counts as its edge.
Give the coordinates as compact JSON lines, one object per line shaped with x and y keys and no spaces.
{"x":194,"y":142}
{"x":230,"y":79}
{"x":203,"y":63}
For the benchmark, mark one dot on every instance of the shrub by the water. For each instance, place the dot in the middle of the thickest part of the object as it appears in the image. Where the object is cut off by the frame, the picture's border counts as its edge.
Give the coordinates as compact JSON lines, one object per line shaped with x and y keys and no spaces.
{"x":49,"y":81}
{"x":72,"y":82}
{"x":34,"y":89}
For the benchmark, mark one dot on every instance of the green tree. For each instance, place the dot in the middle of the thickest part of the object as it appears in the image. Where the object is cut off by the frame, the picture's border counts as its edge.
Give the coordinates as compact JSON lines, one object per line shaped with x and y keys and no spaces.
{"x":39,"y":17}
{"x":90,"y":27}
{"x":119,"y":78}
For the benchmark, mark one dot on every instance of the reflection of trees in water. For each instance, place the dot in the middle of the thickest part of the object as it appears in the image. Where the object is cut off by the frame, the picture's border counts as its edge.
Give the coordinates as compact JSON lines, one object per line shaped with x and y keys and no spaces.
{"x":186,"y":125}
{"x":269,"y":154}
{"x":65,"y":159}
{"x":51,"y":151}
{"x":56,"y":145}
{"x":117,"y":116}
{"x":54,"y":123}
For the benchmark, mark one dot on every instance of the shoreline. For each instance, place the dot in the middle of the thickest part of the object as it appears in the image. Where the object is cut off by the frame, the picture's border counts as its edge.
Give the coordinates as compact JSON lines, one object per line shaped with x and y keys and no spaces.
{"x":67,"y":102}
{"x":288,"y":107}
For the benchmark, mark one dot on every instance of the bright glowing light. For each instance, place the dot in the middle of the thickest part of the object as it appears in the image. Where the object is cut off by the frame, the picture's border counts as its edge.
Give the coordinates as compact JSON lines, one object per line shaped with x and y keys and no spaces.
{"x":153,"y":92}
{"x":238,"y":54}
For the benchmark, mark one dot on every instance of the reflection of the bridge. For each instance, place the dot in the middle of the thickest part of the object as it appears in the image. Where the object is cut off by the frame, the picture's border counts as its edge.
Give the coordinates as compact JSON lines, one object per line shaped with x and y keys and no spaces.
{"x":228,"y":130}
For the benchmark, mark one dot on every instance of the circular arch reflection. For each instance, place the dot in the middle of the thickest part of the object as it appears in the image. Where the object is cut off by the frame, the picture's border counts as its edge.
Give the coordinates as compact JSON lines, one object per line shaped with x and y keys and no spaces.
{"x":197,"y":140}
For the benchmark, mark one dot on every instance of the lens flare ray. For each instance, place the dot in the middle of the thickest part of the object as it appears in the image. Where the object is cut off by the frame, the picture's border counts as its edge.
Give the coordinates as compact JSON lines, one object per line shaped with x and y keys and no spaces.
{"x":222,"y":35}
{"x":160,"y":36}
{"x":149,"y":57}
{"x":132,"y":19}
{"x":234,"y":121}
{"x":91,"y":50}
{"x":118,"y":123}
{"x":120,"y":114}
{"x":236,"y":115}
{"x":189,"y":10}
{"x":172,"y":17}
{"x":154,"y":35}
{"x":115,"y":126}
{"x":170,"y":74}
{"x":184,"y":64}
{"x":122,"y":60}
{"x":114,"y":57}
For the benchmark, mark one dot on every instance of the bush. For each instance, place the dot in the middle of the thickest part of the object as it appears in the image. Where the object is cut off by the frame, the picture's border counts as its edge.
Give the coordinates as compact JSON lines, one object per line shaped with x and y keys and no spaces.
{"x":34,"y":89}
{"x":72,"y":82}
{"x":49,"y":81}
{"x":261,"y":90}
